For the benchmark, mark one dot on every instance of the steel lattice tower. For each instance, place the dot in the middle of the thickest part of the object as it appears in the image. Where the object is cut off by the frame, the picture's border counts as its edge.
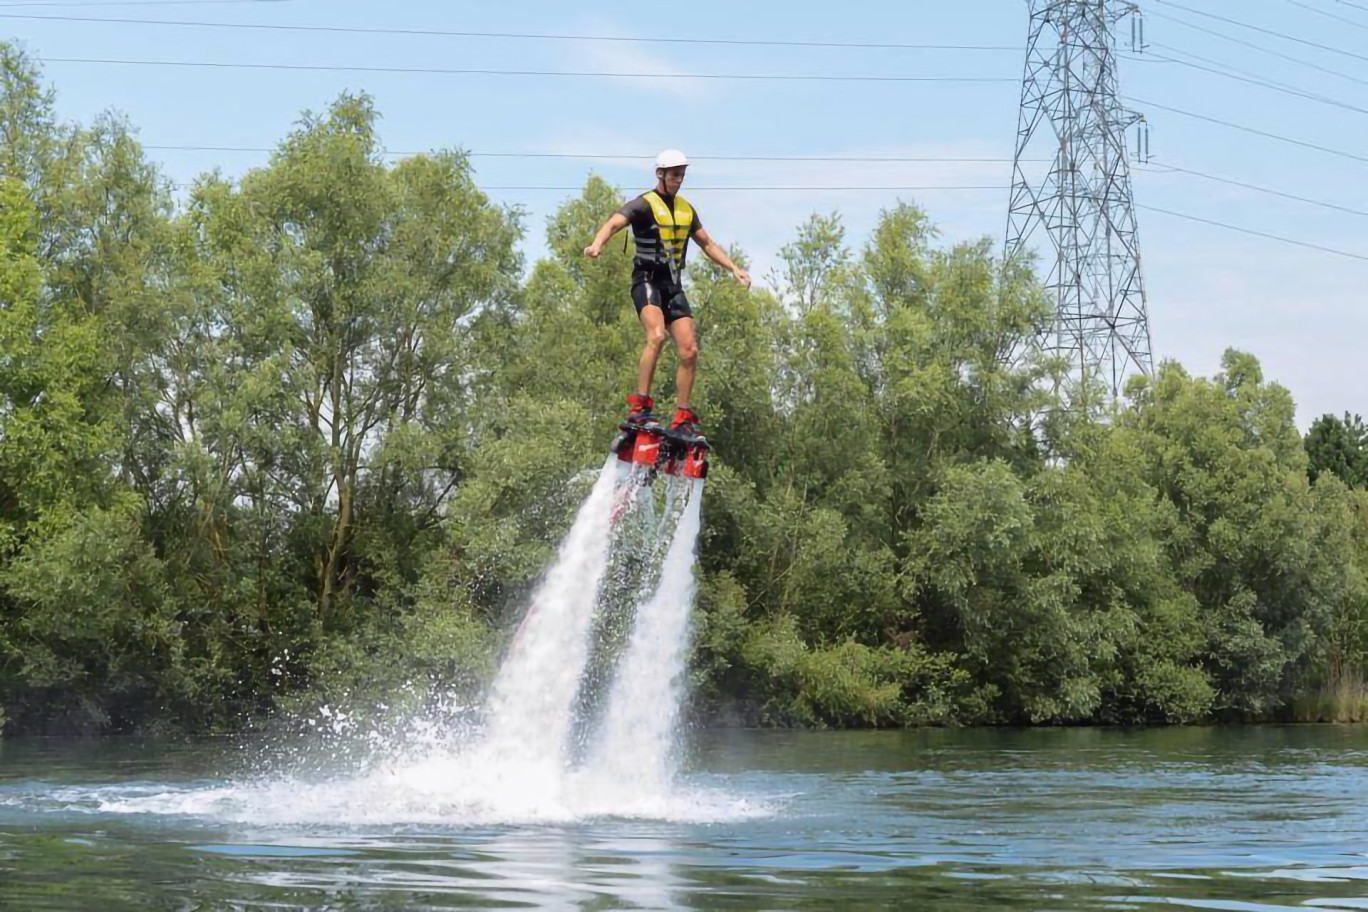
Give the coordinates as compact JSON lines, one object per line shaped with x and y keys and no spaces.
{"x":1071,"y":184}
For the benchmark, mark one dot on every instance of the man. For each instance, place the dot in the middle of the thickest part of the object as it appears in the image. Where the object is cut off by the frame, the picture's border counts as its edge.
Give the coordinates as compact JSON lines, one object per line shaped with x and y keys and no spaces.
{"x":662,"y":224}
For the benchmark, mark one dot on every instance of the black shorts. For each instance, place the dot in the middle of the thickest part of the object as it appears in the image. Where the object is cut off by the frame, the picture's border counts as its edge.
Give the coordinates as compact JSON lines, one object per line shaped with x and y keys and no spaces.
{"x":660,"y":292}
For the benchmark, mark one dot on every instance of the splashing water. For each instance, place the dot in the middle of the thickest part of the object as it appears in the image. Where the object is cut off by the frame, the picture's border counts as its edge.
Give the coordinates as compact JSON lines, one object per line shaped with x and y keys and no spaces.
{"x":637,"y":745}
{"x":530,"y":710}
{"x":519,"y":767}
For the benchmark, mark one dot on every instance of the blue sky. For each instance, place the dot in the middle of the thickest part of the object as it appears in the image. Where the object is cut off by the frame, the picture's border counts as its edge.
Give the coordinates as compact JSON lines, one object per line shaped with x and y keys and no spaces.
{"x":1301,"y":311}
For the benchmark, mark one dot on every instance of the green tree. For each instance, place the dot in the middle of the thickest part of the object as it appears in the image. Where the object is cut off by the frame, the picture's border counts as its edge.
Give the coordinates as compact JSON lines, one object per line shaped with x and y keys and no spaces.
{"x":323,"y":391}
{"x":312,"y":434}
{"x":1265,"y":569}
{"x":1338,"y":446}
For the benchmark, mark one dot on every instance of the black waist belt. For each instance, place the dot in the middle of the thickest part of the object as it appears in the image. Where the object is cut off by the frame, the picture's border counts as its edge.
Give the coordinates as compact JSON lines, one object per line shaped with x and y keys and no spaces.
{"x":653,"y":266}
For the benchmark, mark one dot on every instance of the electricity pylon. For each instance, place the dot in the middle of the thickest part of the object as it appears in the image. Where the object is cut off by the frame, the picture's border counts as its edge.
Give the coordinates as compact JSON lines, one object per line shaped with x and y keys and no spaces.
{"x":1071,"y":188}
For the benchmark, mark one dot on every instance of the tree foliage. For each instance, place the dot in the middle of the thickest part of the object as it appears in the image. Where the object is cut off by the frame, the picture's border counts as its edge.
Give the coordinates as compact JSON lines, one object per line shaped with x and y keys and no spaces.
{"x":1339,"y":447}
{"x":315,"y":431}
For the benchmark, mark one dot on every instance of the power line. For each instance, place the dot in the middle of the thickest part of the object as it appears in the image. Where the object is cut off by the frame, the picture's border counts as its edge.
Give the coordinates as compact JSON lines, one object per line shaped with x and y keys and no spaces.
{"x":1258,"y":47}
{"x":1166,"y":168}
{"x":785,"y":77}
{"x":1256,"y":28}
{"x":148,"y":3}
{"x":1235,"y":126}
{"x":627,"y":157}
{"x":1316,"y":9}
{"x":1251,"y":80}
{"x":1259,"y":81}
{"x":509,"y":188}
{"x":891,"y":188}
{"x":1356,"y":6}
{"x":1262,"y":234}
{"x":536,"y":36}
{"x":788,"y":189}
{"x":1210,"y":60}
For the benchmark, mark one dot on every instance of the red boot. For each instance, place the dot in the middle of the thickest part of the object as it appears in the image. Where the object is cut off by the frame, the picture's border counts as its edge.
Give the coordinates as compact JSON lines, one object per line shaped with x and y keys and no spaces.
{"x":639,"y":410}
{"x":686,"y":425}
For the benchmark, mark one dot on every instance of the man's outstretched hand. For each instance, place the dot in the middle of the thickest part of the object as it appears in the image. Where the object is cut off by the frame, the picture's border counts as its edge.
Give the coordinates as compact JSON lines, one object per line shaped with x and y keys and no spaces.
{"x":593,"y":251}
{"x":741,"y":276}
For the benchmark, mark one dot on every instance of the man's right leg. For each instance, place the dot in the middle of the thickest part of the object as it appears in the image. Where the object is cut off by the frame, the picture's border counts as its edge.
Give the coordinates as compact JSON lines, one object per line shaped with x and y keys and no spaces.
{"x":653,"y":323}
{"x":647,"y":301}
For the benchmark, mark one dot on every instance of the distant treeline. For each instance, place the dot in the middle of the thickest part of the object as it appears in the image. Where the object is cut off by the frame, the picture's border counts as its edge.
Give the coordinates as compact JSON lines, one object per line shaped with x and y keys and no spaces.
{"x":314,"y":432}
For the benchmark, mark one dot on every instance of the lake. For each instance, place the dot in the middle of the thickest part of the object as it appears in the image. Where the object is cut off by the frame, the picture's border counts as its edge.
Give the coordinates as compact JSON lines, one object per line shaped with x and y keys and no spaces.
{"x":1240,"y":818}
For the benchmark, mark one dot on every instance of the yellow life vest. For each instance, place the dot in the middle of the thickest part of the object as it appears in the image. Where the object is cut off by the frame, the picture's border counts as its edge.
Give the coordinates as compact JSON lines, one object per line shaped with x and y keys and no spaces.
{"x":674,"y":230}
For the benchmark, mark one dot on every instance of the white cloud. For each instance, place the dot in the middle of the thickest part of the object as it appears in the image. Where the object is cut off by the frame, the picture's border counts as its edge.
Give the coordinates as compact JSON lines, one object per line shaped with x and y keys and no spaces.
{"x":665,"y":79}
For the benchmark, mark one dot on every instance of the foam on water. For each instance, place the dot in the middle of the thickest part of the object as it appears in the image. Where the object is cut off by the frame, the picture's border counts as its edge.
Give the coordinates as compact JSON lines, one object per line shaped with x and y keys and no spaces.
{"x":442,"y":793}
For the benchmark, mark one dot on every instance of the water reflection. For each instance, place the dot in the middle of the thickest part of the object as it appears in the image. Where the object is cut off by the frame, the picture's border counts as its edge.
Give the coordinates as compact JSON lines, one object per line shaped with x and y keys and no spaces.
{"x":526,"y":868}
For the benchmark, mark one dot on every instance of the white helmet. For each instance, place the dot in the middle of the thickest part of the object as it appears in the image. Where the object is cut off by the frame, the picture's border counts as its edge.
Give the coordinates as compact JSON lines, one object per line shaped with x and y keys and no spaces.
{"x":671,"y":158}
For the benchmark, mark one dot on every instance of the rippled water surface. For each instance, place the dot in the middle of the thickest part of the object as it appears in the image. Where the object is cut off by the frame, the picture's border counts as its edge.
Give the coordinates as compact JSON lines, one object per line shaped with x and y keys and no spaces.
{"x":1215,"y":818}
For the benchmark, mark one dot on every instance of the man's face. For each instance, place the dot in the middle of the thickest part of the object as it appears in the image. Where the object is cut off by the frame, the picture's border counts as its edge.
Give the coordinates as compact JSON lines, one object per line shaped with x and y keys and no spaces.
{"x":672,"y":178}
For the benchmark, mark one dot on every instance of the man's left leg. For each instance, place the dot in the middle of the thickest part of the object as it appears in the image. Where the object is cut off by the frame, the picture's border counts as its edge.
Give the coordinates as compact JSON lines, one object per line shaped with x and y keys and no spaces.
{"x":686,"y":345}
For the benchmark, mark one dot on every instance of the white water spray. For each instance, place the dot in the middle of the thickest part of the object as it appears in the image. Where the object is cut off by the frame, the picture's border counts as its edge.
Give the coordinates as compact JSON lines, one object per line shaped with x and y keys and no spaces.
{"x":519,"y":768}
{"x":637,"y":745}
{"x":531,"y":702}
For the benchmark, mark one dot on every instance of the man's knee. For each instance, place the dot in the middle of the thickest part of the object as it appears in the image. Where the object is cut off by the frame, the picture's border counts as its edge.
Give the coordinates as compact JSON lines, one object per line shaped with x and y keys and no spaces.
{"x":688,"y":353}
{"x":655,"y":338}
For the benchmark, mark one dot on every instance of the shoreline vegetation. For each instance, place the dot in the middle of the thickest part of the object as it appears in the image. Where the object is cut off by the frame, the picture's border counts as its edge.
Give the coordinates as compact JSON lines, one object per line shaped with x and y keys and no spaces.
{"x":310,"y":434}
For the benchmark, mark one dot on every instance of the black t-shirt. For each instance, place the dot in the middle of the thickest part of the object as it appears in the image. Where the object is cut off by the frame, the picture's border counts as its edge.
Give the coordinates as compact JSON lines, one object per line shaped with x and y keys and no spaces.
{"x":646,"y":232}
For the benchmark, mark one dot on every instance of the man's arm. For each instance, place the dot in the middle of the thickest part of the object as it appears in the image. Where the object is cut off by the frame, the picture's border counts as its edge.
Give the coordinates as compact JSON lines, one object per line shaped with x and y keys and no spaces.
{"x":616,"y":222}
{"x":713,"y":251}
